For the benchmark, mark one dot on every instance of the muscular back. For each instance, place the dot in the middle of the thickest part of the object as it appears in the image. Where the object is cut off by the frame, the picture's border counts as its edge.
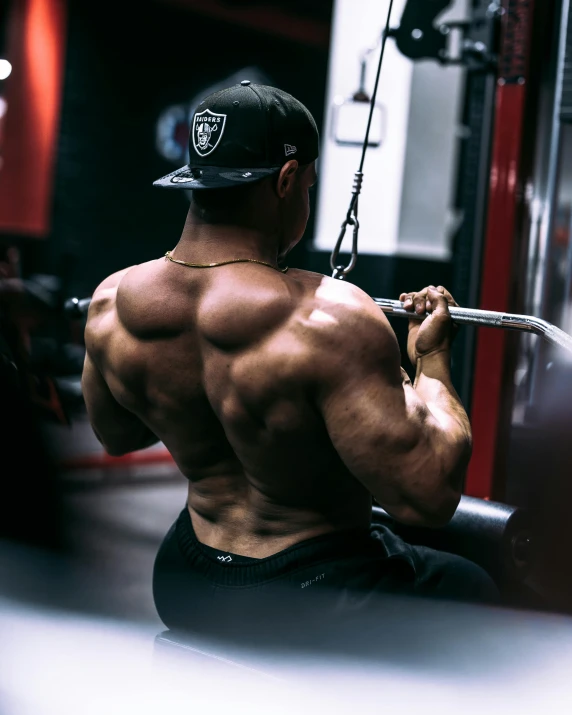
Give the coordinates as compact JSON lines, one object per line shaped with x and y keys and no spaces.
{"x":221,"y":366}
{"x":280,"y":397}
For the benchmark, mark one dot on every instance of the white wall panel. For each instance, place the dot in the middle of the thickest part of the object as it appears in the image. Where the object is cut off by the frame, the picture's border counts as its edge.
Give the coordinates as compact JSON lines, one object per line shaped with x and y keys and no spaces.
{"x":357,"y":26}
{"x":406,"y":204}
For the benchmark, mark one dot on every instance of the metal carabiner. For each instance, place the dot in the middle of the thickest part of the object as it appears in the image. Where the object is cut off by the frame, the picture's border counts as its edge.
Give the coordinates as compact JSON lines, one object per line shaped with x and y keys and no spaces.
{"x":339,"y":271}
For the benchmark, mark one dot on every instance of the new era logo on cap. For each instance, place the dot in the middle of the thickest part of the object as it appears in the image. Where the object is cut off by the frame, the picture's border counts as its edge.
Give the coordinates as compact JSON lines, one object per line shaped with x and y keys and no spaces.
{"x":243,"y":134}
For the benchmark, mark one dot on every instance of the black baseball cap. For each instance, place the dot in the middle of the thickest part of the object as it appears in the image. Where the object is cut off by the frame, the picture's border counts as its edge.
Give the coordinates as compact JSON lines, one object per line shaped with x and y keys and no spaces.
{"x":242,"y":134}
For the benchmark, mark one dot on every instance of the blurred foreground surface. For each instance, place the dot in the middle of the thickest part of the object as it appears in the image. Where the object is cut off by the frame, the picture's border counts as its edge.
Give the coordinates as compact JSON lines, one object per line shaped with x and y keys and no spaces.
{"x":419,"y":658}
{"x":78,"y":629}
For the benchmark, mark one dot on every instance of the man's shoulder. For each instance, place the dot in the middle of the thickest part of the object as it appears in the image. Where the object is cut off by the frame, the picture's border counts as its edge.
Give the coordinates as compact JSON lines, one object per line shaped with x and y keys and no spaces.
{"x":131,"y":282}
{"x":341,"y":309}
{"x":104,"y":295}
{"x":334,"y":325}
{"x":111,"y":283}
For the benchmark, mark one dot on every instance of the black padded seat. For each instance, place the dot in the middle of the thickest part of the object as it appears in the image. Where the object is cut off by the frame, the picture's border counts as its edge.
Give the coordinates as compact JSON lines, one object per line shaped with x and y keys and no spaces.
{"x":497,"y":537}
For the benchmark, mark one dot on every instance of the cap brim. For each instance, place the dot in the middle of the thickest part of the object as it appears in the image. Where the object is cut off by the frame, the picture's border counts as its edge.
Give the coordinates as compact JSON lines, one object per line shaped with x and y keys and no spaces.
{"x":209,"y":177}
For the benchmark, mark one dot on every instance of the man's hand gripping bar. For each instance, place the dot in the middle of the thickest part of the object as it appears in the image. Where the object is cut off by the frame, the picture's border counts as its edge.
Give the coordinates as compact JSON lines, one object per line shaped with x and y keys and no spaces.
{"x":488,"y":319}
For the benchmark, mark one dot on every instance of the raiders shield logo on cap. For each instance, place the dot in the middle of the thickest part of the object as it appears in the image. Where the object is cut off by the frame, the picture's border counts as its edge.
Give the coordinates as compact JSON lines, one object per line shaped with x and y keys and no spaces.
{"x":208,"y":129}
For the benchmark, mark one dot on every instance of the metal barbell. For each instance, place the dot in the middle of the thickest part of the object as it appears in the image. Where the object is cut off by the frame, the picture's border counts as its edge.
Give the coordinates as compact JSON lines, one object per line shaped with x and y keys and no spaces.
{"x":76,"y":308}
{"x":488,"y":319}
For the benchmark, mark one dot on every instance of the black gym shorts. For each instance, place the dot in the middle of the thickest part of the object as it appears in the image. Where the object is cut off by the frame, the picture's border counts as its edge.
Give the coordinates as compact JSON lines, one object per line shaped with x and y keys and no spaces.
{"x":204,"y":590}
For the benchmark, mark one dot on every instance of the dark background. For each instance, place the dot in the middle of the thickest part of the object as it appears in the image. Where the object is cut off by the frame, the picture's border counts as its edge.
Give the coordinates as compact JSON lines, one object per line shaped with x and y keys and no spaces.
{"x":123,"y":68}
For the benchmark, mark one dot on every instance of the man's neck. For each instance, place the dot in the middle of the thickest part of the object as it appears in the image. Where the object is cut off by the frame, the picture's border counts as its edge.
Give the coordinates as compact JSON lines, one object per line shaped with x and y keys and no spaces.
{"x":212,"y":243}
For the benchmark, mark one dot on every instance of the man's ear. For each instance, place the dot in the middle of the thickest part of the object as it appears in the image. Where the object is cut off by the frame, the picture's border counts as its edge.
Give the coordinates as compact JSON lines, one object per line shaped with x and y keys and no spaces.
{"x":286,"y":178}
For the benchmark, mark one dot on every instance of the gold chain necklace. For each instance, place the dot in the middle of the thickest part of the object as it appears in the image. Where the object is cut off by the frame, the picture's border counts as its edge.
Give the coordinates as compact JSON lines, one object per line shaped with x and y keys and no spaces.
{"x":223,"y":263}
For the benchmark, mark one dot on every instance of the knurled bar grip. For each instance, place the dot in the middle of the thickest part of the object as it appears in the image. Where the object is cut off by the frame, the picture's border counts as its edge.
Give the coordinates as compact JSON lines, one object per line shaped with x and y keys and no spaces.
{"x":489,"y":319}
{"x":462,"y":316}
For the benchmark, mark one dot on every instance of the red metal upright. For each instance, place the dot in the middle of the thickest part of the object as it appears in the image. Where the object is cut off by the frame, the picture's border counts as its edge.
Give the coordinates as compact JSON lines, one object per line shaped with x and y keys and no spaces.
{"x":506,"y":195}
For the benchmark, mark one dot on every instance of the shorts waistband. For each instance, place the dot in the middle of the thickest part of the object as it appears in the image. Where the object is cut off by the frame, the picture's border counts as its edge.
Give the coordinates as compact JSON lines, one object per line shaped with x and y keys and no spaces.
{"x":329,"y":547}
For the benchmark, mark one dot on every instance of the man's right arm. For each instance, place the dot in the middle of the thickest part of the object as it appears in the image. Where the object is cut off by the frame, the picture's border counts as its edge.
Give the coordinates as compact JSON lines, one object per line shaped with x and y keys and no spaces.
{"x":410,"y":447}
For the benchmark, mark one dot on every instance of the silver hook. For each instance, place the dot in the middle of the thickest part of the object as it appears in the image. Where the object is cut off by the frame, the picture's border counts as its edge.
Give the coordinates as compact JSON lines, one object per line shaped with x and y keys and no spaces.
{"x":340,"y":271}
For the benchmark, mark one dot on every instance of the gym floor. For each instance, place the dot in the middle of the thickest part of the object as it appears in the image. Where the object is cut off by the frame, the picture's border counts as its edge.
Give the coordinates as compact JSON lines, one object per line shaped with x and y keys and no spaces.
{"x":117,"y":531}
{"x":114,"y":531}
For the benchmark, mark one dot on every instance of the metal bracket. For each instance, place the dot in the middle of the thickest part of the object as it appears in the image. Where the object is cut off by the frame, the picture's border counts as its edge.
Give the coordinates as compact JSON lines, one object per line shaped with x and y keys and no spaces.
{"x":471,"y":43}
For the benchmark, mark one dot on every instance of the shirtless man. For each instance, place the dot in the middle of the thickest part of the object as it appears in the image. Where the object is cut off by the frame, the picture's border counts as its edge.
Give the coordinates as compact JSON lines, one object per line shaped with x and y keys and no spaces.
{"x":279,"y":394}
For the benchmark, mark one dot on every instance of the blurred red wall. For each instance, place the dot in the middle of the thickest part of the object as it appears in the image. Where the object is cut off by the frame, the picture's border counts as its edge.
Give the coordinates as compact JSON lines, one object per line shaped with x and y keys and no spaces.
{"x":36,"y":49}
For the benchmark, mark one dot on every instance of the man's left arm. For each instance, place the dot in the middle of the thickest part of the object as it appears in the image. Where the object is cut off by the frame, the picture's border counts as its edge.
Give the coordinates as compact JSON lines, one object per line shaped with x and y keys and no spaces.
{"x":118,"y":430}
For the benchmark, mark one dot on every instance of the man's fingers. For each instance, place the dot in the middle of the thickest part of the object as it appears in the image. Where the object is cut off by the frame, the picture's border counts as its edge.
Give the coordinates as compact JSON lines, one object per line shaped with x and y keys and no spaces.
{"x":422,"y":301}
{"x":437,"y":301}
{"x":415,"y":301}
{"x":447,"y":295}
{"x":407,"y":300}
{"x":428,"y":300}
